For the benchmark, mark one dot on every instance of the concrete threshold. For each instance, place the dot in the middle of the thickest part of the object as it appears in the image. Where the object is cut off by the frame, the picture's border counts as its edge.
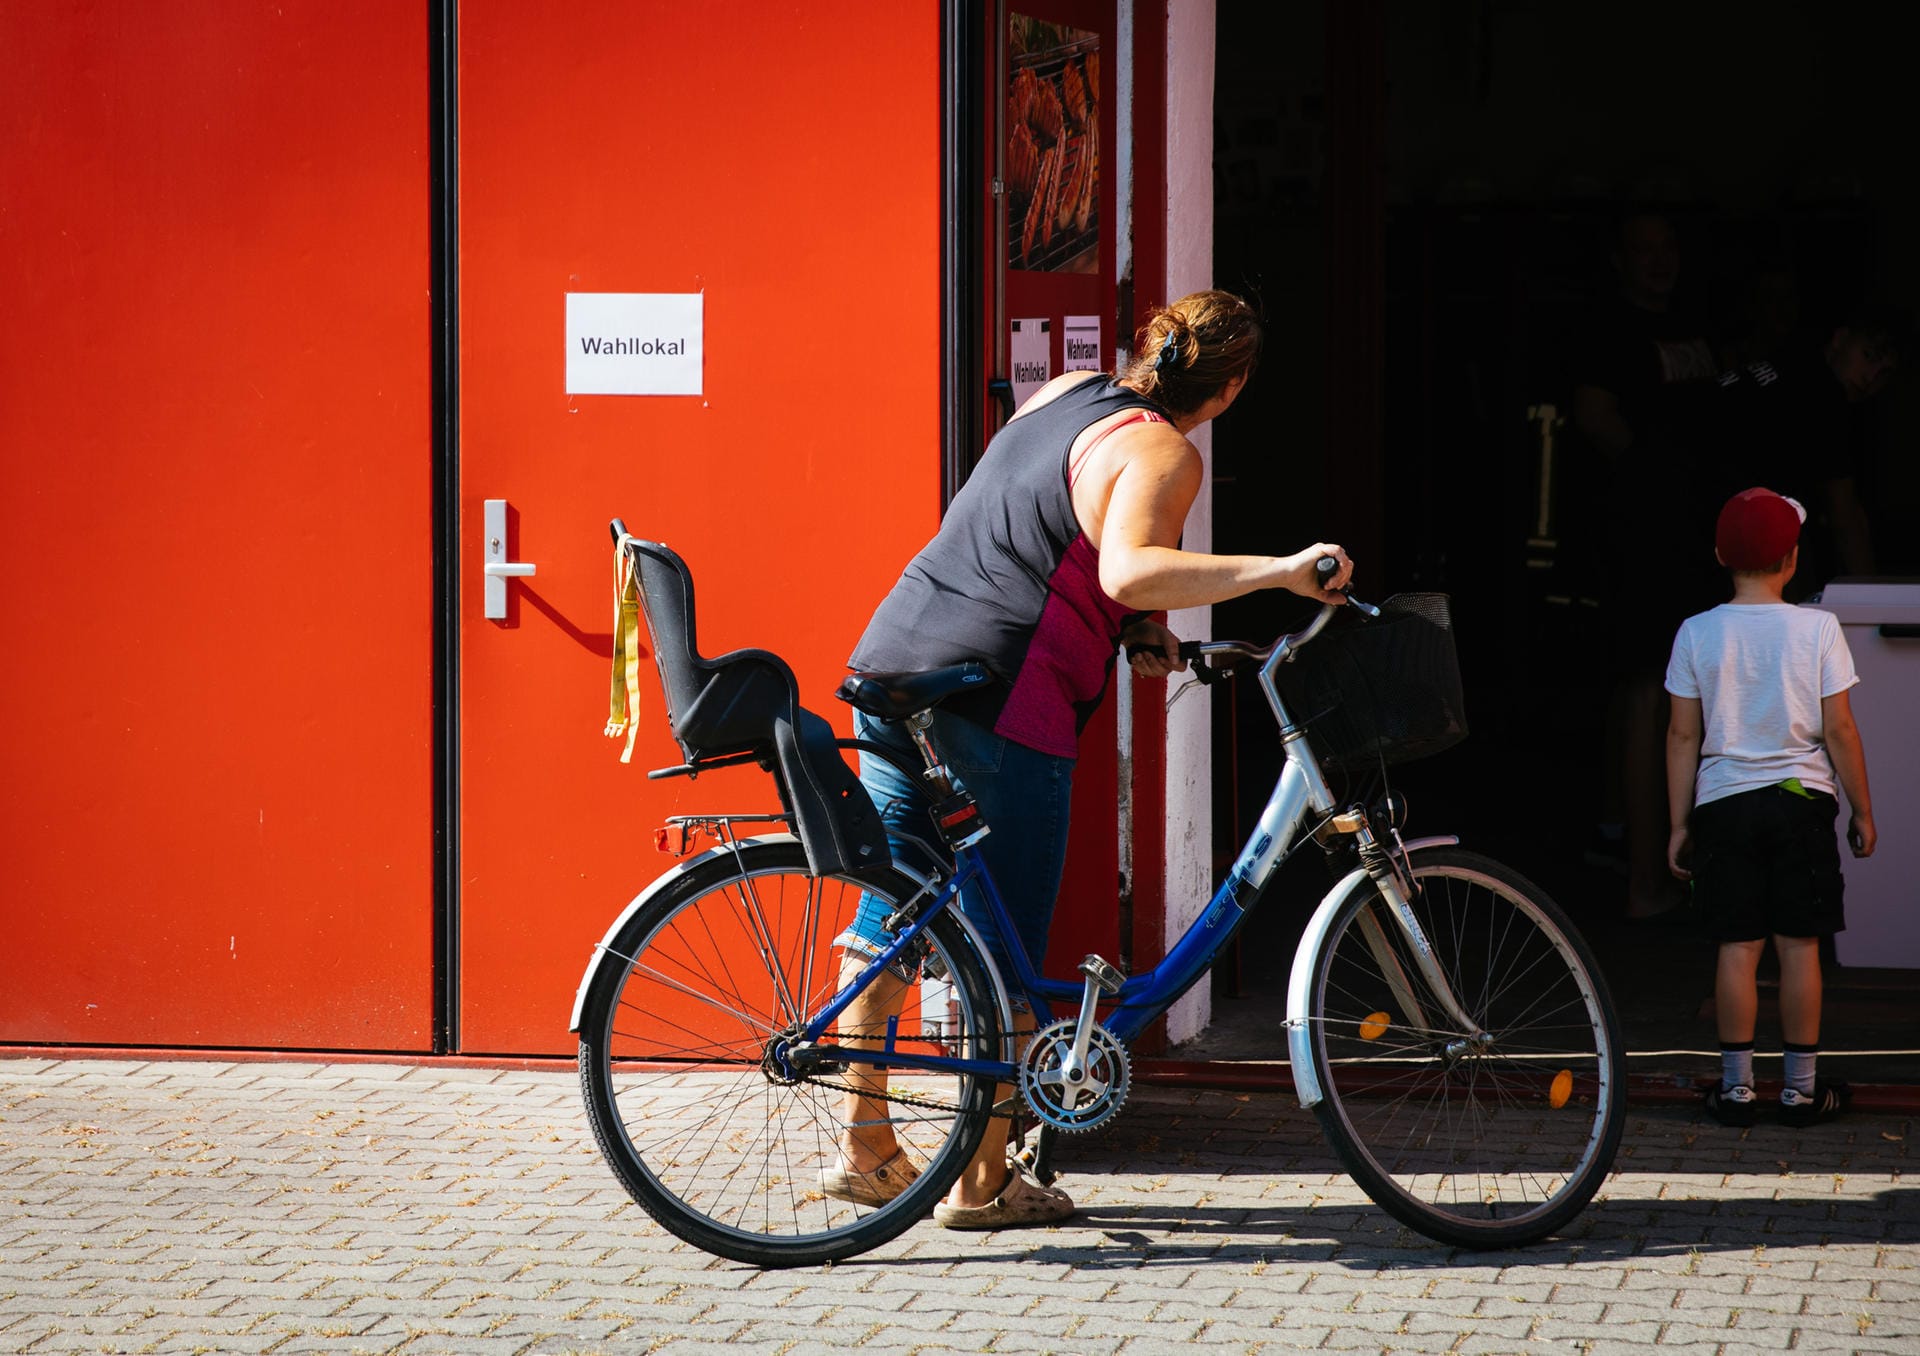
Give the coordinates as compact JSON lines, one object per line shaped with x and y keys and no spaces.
{"x":1662,"y":1087}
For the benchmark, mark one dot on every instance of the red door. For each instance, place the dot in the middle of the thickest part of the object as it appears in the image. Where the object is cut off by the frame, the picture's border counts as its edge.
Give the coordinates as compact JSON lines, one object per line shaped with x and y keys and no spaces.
{"x":781,"y":178}
{"x":216,"y":792}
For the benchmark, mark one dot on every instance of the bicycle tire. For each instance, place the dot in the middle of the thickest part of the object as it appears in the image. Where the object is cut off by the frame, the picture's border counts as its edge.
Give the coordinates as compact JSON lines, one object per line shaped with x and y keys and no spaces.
{"x":1480,"y":1148}
{"x":700,"y":1127}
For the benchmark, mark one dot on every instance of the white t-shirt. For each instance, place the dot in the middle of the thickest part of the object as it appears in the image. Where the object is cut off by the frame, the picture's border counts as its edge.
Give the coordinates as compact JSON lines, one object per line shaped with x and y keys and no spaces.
{"x":1760,"y":671}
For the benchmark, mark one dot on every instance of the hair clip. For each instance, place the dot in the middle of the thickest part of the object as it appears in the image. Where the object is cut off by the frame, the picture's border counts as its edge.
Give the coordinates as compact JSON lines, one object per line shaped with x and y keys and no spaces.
{"x":1168,"y":351}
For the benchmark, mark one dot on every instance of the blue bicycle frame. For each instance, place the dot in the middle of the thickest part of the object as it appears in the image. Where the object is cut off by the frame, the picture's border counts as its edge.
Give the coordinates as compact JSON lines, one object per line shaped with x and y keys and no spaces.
{"x":1300,"y":790}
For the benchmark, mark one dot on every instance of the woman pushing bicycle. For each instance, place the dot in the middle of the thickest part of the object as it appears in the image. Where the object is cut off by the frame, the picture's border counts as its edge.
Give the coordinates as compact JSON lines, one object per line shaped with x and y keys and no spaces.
{"x":792,"y":1050}
{"x":1059,"y":552}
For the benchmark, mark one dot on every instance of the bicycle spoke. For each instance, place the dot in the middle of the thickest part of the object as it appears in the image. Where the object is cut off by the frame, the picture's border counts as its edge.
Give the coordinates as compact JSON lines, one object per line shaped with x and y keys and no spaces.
{"x":729,"y":1151}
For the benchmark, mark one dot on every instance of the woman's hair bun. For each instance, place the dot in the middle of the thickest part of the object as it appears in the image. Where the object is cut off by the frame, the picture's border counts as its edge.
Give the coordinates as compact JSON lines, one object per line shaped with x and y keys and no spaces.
{"x":1189,"y":351}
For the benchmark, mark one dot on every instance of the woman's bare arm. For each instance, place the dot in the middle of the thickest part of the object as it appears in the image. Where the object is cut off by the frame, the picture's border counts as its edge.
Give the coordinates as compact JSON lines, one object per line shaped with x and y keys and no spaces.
{"x":1141,"y":564}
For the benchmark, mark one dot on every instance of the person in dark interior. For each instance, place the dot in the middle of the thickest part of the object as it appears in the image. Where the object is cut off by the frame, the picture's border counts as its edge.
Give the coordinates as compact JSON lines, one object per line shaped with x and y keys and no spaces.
{"x":1640,"y":353}
{"x":1640,"y":343}
{"x":1795,"y":422}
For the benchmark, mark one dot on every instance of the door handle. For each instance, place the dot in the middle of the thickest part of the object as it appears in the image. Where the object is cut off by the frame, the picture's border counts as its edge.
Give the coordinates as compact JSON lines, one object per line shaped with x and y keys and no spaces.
{"x":495,"y":568}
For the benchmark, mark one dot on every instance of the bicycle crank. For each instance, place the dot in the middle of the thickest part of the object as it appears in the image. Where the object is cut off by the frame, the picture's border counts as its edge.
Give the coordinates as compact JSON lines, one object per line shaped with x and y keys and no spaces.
{"x":1074,"y":1096}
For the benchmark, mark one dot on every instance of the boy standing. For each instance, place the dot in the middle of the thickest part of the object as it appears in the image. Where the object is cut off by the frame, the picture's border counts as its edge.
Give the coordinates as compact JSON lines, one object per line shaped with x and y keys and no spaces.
{"x":1762,"y":727}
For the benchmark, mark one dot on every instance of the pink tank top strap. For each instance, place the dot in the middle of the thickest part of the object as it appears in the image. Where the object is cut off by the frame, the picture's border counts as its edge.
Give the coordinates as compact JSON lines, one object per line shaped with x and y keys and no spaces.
{"x":1137,"y":417}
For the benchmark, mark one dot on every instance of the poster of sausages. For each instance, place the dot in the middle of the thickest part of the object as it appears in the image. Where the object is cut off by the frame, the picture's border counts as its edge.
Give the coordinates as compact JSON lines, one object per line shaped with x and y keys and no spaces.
{"x":1053,"y":147}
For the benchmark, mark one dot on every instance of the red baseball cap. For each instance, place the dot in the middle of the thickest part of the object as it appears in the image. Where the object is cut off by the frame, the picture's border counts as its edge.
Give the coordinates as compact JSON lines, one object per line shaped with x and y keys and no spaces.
{"x":1757,"y":528}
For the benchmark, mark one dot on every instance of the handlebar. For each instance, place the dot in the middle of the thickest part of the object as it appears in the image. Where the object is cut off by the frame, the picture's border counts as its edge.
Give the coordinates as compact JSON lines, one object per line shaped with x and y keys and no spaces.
{"x":1195,"y":652}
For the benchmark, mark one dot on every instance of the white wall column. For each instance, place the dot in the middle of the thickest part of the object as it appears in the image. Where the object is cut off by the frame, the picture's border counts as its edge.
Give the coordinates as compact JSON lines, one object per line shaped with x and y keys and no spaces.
{"x":1189,"y":825}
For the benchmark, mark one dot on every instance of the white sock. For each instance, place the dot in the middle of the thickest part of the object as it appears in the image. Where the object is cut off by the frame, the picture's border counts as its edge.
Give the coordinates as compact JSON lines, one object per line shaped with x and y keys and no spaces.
{"x":1736,"y":1065}
{"x":1800,"y":1061}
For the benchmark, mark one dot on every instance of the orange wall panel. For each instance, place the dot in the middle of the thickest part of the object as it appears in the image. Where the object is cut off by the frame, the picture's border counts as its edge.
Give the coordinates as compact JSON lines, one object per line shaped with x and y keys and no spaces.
{"x":215,"y":466}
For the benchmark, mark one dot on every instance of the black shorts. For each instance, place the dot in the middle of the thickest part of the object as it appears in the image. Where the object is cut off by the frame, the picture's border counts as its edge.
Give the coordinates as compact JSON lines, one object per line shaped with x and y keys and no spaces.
{"x":1766,"y":863}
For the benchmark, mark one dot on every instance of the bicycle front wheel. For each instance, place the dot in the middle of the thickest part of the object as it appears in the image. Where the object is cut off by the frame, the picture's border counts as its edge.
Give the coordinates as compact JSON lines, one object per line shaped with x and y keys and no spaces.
{"x":702,"y":1107}
{"x":1480,"y":1138}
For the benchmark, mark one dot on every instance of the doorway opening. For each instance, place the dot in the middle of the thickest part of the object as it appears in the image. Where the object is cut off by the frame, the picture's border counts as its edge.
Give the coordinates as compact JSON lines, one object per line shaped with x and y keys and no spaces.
{"x":1512,"y":145}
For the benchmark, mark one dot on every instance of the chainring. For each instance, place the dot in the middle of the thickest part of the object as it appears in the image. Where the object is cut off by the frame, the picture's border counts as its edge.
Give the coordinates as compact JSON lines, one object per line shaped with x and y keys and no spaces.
{"x":1100,"y":1093}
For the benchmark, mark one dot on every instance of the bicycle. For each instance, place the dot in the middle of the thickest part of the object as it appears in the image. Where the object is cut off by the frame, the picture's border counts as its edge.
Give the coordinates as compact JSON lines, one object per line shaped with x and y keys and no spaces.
{"x":1445,"y":1021}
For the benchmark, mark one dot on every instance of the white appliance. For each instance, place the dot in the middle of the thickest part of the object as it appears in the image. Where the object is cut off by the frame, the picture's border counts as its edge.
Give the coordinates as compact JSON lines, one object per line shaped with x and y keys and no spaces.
{"x":1881,"y":620}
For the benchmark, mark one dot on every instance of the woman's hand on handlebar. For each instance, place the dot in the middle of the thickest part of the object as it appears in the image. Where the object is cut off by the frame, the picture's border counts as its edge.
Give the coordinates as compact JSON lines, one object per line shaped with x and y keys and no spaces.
{"x":1303,"y":574}
{"x":1152,"y":650}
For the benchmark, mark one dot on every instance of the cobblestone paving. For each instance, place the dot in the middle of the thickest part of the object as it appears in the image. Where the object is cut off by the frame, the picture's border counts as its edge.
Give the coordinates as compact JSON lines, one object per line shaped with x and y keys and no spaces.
{"x":176,"y":1207}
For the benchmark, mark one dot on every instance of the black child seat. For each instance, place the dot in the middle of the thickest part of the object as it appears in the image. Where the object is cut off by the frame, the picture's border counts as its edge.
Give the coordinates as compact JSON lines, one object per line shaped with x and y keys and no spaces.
{"x":748,"y":702}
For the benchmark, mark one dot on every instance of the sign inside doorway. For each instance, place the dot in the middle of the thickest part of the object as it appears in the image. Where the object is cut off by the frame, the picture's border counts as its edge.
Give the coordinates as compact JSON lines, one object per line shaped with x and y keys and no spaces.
{"x":635,"y":343}
{"x":1031,"y":349}
{"x":1081,"y":344}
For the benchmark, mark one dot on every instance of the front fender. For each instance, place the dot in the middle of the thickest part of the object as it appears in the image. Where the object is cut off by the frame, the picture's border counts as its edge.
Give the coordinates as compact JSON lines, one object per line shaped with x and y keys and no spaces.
{"x":1306,"y":1083}
{"x":641,"y":900}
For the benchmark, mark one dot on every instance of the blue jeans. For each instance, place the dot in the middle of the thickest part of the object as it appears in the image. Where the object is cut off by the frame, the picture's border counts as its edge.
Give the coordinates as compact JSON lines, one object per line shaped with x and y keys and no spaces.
{"x":1023,"y":795}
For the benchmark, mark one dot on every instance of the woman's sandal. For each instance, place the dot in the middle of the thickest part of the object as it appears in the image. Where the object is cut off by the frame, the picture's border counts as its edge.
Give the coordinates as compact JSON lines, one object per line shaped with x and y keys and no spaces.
{"x":1021,"y":1202}
{"x":875,"y":1186}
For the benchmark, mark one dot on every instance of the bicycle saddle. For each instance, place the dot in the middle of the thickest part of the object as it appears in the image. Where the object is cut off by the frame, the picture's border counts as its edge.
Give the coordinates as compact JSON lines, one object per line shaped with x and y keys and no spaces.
{"x":895,"y":696}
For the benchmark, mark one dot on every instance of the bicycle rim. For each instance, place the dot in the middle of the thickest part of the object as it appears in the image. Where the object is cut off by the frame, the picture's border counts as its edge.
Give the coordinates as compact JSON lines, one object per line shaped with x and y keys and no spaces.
{"x":720,"y":1143}
{"x":1481,"y":1146}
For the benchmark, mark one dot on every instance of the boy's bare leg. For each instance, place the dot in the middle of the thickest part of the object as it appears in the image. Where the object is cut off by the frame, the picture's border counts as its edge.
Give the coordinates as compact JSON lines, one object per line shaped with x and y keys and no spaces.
{"x":867,"y":1139}
{"x":1800,"y":989}
{"x":1736,"y":990}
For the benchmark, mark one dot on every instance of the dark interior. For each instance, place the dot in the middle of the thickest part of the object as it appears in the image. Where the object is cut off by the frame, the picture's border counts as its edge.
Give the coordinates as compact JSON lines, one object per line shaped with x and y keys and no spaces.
{"x":1776,"y":139}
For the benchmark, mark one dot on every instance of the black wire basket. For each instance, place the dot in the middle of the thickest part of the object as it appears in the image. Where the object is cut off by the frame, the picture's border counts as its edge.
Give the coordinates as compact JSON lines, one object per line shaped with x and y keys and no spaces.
{"x":1380,"y":691}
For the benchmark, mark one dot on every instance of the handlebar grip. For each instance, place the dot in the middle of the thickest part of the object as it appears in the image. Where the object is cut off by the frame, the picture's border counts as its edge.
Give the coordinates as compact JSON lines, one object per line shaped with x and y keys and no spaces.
{"x":1198,"y":664}
{"x":1189,"y":651}
{"x":1326,"y":567}
{"x":617,"y":528}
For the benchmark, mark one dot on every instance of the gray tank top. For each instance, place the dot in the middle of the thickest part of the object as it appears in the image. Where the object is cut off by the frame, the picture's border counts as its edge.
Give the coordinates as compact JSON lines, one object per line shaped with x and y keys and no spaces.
{"x":1011,"y":581}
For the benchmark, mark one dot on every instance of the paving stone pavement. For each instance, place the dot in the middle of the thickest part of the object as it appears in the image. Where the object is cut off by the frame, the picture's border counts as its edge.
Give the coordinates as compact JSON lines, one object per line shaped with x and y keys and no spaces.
{"x":177,"y":1207}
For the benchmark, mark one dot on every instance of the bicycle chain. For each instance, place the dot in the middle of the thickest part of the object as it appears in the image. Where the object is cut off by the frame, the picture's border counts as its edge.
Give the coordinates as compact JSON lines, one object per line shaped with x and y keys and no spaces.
{"x":1007,"y":1110}
{"x":903,"y":1098}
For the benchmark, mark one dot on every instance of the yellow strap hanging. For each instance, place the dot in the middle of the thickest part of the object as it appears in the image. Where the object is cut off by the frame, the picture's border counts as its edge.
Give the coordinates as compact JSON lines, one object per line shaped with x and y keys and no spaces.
{"x":623,"y":715}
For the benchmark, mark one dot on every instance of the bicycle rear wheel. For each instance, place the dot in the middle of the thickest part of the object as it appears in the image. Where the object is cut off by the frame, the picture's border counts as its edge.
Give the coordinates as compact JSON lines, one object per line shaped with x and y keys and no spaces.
{"x":712,"y":1128}
{"x":1477,"y":1145}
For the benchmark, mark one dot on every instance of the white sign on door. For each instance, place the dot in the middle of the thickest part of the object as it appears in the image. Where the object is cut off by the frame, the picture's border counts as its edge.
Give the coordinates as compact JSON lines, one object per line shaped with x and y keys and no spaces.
{"x":1082,"y":343}
{"x":1031,"y":351}
{"x":636,"y":343}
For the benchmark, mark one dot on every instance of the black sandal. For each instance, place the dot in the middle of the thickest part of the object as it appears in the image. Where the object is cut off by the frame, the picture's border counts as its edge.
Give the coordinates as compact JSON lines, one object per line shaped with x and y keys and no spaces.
{"x":1828,"y":1099}
{"x":1733,"y":1106}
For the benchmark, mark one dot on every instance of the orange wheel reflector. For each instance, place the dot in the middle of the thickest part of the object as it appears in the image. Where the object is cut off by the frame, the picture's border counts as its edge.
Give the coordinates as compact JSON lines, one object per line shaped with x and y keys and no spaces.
{"x":1375,"y":1026}
{"x":1561,"y":1090}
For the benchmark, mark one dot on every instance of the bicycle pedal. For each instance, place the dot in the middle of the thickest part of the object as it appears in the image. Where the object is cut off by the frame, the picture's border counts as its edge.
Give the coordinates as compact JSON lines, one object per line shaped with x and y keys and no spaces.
{"x":1035,"y":1165}
{"x":1107,"y":976}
